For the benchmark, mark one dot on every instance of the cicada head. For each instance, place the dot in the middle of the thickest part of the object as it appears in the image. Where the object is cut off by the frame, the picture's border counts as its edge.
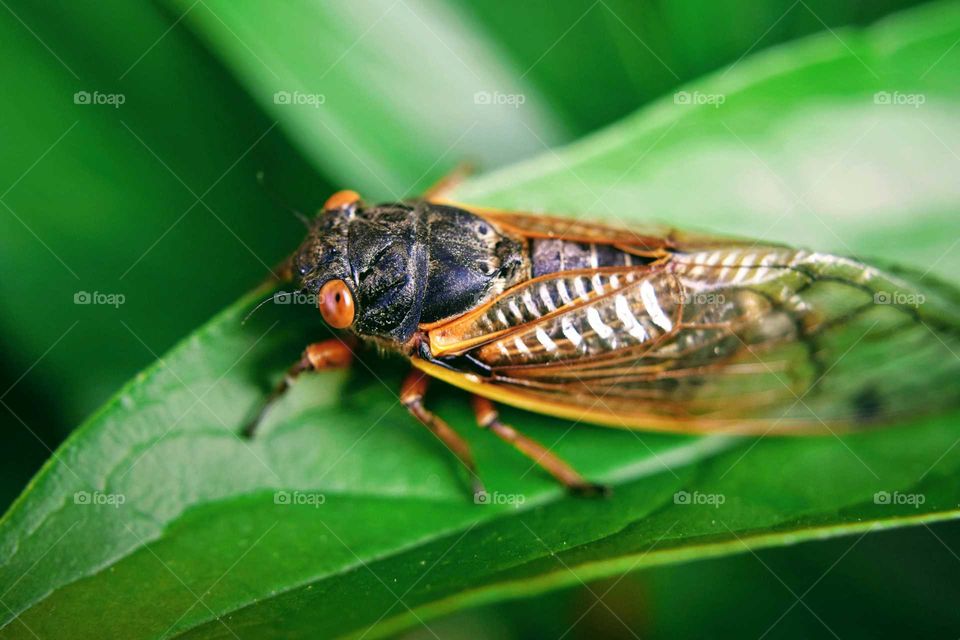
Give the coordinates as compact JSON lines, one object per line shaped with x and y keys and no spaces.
{"x":367,"y":267}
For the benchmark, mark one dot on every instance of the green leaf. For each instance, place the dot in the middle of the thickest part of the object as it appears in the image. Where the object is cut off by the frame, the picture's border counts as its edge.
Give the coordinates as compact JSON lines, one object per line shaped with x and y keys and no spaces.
{"x":368,"y":115}
{"x":102,"y":198}
{"x":799,"y":150}
{"x":638,"y":51}
{"x":154,"y":519}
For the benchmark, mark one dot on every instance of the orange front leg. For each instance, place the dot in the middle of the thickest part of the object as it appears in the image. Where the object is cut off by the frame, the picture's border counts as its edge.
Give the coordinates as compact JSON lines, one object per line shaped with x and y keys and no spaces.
{"x":328,"y":354}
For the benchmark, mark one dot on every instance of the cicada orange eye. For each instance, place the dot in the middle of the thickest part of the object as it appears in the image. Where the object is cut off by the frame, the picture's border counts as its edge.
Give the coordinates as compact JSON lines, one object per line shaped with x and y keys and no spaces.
{"x":336,"y":304}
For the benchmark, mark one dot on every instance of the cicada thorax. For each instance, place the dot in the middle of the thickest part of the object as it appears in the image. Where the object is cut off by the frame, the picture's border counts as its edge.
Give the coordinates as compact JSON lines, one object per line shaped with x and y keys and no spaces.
{"x":469,"y":262}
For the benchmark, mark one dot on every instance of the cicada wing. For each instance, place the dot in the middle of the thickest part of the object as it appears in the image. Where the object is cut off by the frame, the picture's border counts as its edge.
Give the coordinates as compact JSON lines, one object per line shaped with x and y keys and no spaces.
{"x":736,"y":340}
{"x":640,"y":238}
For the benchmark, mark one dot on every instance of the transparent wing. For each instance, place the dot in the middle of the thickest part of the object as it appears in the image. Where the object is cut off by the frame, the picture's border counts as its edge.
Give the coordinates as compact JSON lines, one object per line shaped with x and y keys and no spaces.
{"x":650,"y":239}
{"x":734,"y":339}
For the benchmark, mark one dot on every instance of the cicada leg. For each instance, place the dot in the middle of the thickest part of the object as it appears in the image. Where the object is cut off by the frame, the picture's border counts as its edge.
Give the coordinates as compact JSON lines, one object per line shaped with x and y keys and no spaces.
{"x":488,"y":418}
{"x":328,"y":354}
{"x":412,"y":390}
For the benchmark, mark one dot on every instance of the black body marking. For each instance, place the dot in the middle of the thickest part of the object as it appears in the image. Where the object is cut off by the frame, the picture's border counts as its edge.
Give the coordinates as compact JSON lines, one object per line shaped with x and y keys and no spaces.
{"x":409,"y":264}
{"x":552,"y":255}
{"x":468,"y":261}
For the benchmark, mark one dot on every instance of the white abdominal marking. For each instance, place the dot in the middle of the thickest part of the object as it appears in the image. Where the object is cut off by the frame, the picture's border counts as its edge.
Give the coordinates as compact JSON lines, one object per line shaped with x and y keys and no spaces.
{"x":545,"y":340}
{"x":593,"y":317}
{"x":530,"y":304}
{"x":581,"y":288}
{"x":521,"y":347}
{"x":545,"y":296}
{"x":745,"y":267}
{"x":597,"y":283}
{"x":649,"y":297}
{"x":569,"y":332}
{"x":629,"y":321}
{"x":728,"y":262}
{"x":515,"y":310}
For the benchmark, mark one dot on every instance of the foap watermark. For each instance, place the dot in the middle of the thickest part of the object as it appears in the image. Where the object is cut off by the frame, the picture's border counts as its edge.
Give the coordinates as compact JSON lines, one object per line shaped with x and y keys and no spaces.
{"x":696,"y":497}
{"x":97,"y":98}
{"x":701,"y":297}
{"x":899,"y":298}
{"x":99,"y":498}
{"x":497,"y":98}
{"x":100,"y":298}
{"x":295,"y":297}
{"x":495,"y":497}
{"x":699,"y":98}
{"x":299,"y":498}
{"x":314,"y":100}
{"x":914,"y":100}
{"x":912,"y":499}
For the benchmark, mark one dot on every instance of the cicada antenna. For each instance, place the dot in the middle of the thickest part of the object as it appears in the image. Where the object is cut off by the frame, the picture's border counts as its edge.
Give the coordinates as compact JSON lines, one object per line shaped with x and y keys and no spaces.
{"x":272,"y":296}
{"x":279,"y":201}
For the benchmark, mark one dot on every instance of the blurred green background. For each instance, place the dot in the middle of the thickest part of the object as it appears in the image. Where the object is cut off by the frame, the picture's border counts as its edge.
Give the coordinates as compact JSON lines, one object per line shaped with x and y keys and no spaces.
{"x":156,"y":199}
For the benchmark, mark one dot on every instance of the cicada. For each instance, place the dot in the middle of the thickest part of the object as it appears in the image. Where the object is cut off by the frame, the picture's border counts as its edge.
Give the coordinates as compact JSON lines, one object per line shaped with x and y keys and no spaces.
{"x":632,"y":327}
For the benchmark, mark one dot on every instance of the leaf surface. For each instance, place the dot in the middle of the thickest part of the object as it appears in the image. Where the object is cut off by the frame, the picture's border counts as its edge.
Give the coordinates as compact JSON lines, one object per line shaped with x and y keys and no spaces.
{"x":370,"y":507}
